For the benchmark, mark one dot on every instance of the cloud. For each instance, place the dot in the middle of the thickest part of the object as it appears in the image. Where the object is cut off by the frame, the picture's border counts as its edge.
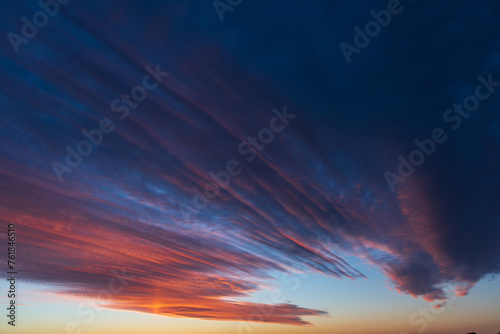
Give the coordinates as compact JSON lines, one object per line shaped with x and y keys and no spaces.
{"x":317,"y":187}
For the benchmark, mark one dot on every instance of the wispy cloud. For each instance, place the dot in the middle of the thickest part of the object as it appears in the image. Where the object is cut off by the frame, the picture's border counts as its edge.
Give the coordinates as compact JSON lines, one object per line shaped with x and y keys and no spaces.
{"x":321,"y":177}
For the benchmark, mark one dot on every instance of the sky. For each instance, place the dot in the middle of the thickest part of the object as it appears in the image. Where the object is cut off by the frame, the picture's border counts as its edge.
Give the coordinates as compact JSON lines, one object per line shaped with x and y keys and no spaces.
{"x":251,"y":166}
